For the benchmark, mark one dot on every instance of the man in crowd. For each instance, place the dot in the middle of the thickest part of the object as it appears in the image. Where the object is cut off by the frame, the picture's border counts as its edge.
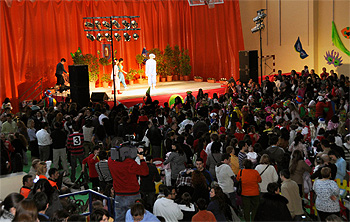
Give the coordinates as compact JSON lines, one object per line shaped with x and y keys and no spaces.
{"x":59,"y":138}
{"x":91,"y":160}
{"x":242,"y":155}
{"x":9,"y":126}
{"x":340,"y":163}
{"x":166,"y":207}
{"x":28,"y":183}
{"x":75,"y":146}
{"x":44,"y":142}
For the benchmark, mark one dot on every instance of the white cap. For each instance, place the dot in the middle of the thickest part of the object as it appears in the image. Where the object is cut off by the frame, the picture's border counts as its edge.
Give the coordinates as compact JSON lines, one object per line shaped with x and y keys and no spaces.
{"x":152,"y":55}
{"x":312,"y":103}
{"x":320,"y":98}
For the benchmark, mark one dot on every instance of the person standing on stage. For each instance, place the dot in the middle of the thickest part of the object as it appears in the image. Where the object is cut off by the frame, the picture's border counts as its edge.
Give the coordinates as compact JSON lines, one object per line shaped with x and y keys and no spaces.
{"x":116,"y":80}
{"x":151,"y":71}
{"x":59,"y":71}
{"x":121,"y":71}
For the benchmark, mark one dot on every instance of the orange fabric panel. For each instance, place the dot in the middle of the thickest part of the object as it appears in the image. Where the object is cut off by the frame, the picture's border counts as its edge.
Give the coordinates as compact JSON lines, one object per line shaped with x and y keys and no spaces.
{"x":35,"y":35}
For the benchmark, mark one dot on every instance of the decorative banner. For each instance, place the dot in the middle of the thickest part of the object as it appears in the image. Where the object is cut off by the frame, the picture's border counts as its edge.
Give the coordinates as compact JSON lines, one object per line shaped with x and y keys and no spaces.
{"x":346,"y":32}
{"x":337,"y":41}
{"x":106,"y":50}
{"x":299,"y":48}
{"x":144,"y":53}
{"x":333,"y":58}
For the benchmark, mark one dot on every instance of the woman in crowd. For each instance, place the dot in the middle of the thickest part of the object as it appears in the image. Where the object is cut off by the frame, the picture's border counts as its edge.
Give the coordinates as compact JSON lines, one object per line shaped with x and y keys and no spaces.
{"x":26,"y":210}
{"x":298,"y":144}
{"x":218,"y":205}
{"x":297,"y":168}
{"x":327,"y":195}
{"x":8,"y":207}
{"x":177,"y":160}
{"x":214,"y":158}
{"x":250,"y":189}
{"x":267,"y":173}
{"x":200,"y":186}
{"x":187,"y":207}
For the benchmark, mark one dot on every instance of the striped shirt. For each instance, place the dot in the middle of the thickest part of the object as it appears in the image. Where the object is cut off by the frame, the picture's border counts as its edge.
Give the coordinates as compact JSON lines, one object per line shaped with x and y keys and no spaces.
{"x":241,"y":158}
{"x":75,"y":144}
{"x":103,"y":171}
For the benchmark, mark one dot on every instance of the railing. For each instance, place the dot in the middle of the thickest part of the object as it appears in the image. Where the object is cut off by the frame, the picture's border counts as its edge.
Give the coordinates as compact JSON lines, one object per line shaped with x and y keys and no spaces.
{"x":35,"y":90}
{"x":90,"y":193}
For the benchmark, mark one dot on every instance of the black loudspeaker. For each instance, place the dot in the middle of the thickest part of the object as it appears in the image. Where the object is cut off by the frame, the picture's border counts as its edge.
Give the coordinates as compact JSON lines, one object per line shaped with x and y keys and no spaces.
{"x":248,"y":66}
{"x":79,"y":84}
{"x":98,"y":96}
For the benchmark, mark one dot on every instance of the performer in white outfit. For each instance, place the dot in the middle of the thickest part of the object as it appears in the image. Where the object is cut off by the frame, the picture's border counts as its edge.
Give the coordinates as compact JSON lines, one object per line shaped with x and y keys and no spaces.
{"x":116,"y":77}
{"x":151,"y":71}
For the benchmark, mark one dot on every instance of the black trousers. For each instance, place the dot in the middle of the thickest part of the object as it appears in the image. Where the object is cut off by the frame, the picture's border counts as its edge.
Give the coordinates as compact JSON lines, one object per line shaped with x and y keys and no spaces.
{"x":60,"y":80}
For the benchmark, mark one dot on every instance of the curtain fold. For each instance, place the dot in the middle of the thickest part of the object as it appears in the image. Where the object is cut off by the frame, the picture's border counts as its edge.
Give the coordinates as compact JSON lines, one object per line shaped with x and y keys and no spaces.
{"x":36,"y":34}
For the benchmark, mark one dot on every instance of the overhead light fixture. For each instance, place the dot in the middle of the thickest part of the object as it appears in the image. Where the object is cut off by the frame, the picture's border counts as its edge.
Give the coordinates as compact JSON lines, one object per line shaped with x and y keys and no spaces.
{"x":135,"y":36}
{"x":106,"y":24}
{"x":89,"y":25}
{"x":258,"y":27}
{"x":91,"y":37}
{"x":99,"y":37}
{"x":133,"y":24}
{"x":126,"y":24}
{"x":108,"y":37}
{"x":115,"y":24}
{"x":117,"y":37}
{"x":127,"y":37}
{"x":98,"y":25}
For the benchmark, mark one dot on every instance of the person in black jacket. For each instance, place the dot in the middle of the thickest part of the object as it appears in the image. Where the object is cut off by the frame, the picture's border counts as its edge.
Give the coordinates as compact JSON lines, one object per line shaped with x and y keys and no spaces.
{"x":59,"y":141}
{"x":273,"y":206}
{"x":147,"y":187}
{"x":155,"y":137}
{"x":59,"y":71}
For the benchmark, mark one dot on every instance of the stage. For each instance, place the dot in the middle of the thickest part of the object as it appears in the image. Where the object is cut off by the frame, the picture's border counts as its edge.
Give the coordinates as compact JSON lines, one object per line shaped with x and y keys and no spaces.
{"x":135,"y":93}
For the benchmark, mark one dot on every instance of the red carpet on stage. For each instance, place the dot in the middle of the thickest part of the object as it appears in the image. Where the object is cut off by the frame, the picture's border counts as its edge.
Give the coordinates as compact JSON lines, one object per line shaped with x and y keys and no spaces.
{"x":165,"y":98}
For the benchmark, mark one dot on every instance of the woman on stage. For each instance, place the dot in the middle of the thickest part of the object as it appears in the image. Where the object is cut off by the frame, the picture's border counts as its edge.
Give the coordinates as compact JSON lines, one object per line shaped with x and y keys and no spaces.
{"x":121,"y":71}
{"x":116,"y":80}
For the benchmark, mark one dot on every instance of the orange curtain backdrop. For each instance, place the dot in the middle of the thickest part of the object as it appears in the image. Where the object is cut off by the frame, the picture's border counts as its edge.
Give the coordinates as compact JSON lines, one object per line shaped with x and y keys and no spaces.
{"x":36,"y":34}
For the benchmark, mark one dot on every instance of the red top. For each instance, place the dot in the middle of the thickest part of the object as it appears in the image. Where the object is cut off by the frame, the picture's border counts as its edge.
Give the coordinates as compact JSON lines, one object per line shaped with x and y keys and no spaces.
{"x":204,"y":156}
{"x":53,"y":183}
{"x":125,"y":174}
{"x":239,"y":136}
{"x":91,"y":162}
{"x":319,"y":109}
{"x":204,"y":215}
{"x":142,"y":119}
{"x":250,"y":182}
{"x":24,"y":191}
{"x":75,"y":144}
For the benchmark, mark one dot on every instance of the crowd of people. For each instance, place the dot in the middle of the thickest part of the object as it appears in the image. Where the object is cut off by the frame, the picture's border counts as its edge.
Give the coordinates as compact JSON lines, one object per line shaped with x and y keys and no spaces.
{"x":250,"y":153}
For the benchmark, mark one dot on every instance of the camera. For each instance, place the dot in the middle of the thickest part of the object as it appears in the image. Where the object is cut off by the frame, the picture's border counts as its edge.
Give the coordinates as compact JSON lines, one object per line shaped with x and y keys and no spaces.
{"x":127,"y":149}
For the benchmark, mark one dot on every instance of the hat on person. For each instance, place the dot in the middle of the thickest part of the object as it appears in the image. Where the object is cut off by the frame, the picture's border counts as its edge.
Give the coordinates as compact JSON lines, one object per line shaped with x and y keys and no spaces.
{"x":189,"y":92}
{"x":152,"y":55}
{"x":299,"y":99}
{"x":312,"y":103}
{"x":320,"y":98}
{"x":212,"y":115}
{"x":321,"y":120}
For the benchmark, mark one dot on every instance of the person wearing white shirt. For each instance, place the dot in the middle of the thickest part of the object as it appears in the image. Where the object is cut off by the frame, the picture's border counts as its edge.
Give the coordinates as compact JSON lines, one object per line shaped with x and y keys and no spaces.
{"x":151,"y":71}
{"x":167,"y":208}
{"x":116,"y":79}
{"x":102,"y":116}
{"x":44,"y":142}
{"x":267,"y":173}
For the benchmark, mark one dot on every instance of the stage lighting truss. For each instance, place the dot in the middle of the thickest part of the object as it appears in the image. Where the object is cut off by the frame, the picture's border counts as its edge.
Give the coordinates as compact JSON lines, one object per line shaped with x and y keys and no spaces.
{"x":111,"y":27}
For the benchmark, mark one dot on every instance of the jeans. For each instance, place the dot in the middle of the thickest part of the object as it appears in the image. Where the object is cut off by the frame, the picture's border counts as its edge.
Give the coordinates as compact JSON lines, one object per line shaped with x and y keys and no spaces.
{"x":44,"y":152}
{"x":122,"y":79}
{"x":123,"y":204}
{"x":60,"y":154}
{"x":250,"y":206}
{"x":73,"y":160}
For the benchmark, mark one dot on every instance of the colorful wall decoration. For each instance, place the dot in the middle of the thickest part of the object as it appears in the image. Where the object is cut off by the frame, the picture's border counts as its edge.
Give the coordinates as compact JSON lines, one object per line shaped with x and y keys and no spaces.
{"x":299,"y":48}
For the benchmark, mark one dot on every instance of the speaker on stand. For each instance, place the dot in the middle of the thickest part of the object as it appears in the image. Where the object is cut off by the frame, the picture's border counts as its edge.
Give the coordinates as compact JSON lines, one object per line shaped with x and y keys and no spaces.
{"x":79,"y":84}
{"x":248,"y":66}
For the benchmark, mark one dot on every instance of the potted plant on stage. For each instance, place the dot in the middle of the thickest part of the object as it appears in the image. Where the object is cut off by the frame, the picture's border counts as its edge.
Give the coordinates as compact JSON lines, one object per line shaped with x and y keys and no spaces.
{"x":176,"y":62}
{"x":211,"y":80}
{"x":169,"y":62}
{"x":131,"y":76}
{"x":106,"y":78}
{"x":140,"y":59}
{"x":198,"y":79}
{"x":185,"y":67}
{"x":223,"y":81}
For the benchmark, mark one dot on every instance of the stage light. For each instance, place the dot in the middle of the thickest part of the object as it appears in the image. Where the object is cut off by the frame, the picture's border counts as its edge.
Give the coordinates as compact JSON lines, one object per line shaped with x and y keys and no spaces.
{"x":116,"y":24}
{"x":135,"y":36}
{"x":258,"y":27}
{"x":91,"y":37}
{"x":133,"y":24}
{"x":127,"y":37}
{"x":126,"y":24}
{"x":99,"y":37}
{"x":89,"y":25}
{"x":106,"y":24}
{"x":117,"y":37}
{"x":98,"y":25}
{"x":260,"y":17}
{"x":108,"y":37}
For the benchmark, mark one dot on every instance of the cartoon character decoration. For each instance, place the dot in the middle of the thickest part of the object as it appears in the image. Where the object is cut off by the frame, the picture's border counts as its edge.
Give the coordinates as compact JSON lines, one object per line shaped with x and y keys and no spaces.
{"x":346,"y":32}
{"x":49,"y":100}
{"x":337,"y":41}
{"x":299,"y":48}
{"x":333,"y":58}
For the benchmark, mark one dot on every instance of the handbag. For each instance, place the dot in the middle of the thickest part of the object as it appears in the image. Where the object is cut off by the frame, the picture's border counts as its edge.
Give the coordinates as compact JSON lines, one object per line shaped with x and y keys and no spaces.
{"x":239,"y":184}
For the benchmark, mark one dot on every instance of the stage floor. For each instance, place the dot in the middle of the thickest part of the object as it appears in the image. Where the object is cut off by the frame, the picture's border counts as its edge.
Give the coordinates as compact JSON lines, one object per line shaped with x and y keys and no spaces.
{"x":162,"y":88}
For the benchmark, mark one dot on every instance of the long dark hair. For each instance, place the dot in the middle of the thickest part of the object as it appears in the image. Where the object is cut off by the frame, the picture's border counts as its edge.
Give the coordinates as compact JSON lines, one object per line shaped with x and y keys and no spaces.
{"x":296,"y":156}
{"x":220,"y":198}
{"x":10,"y":201}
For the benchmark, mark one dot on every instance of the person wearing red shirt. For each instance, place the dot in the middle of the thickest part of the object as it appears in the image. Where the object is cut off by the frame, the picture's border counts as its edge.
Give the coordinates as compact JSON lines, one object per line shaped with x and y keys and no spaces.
{"x":76,"y":148}
{"x":250,"y":189}
{"x":203,"y":214}
{"x":91,"y":160}
{"x":125,"y":182}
